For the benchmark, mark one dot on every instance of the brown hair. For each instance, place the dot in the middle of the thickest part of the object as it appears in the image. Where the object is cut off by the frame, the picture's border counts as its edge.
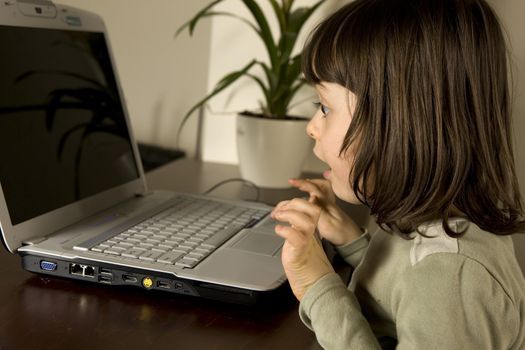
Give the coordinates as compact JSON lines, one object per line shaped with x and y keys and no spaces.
{"x":433,"y":110}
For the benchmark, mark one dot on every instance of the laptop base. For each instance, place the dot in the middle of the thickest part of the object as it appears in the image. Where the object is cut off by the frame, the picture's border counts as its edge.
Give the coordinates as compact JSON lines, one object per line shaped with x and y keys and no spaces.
{"x":114,"y":275}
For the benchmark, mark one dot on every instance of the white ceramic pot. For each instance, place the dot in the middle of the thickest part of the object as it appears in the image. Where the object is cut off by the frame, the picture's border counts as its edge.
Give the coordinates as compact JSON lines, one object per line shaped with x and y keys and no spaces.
{"x":271,"y":151}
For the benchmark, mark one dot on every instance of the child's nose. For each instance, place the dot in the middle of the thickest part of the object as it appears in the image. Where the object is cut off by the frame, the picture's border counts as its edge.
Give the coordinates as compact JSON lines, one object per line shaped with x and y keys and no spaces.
{"x":311,"y":129}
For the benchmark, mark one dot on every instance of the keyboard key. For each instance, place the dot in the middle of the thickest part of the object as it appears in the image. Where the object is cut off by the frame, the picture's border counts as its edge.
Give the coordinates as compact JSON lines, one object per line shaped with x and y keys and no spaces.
{"x":181,"y":249}
{"x":112,"y":251}
{"x":133,"y":253}
{"x":160,"y":249}
{"x":221,"y":236}
{"x":186,"y":263}
{"x":203,"y":250}
{"x":170,"y":257}
{"x":150,"y":255}
{"x":195,"y":255}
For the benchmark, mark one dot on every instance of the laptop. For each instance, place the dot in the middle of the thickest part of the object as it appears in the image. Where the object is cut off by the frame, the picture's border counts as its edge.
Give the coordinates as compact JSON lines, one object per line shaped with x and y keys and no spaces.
{"x":73,"y":196}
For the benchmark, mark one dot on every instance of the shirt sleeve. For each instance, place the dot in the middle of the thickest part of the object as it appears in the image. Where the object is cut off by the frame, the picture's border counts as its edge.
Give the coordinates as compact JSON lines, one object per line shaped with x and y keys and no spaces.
{"x":448,"y":301}
{"x":333,"y":313}
{"x":354,"y":252}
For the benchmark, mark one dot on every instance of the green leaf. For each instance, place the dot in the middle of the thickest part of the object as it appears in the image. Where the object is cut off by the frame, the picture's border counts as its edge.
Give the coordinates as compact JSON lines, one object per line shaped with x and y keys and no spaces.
{"x":293,"y":71}
{"x":287,"y":5}
{"x":263,"y":87}
{"x":270,"y":76}
{"x":295,"y":24}
{"x":264,"y":30}
{"x":226,"y":81}
{"x":193,"y":21}
{"x":293,"y":91}
{"x":299,"y":16}
{"x":280,"y":14}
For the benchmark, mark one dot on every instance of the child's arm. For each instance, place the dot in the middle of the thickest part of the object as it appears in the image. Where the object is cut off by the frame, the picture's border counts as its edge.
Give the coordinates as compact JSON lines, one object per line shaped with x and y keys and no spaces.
{"x":303,"y":257}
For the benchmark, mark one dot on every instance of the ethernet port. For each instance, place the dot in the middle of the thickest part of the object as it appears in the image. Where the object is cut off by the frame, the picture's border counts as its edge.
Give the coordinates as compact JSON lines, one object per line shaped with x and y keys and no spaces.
{"x":89,"y":271}
{"x":76,"y":269}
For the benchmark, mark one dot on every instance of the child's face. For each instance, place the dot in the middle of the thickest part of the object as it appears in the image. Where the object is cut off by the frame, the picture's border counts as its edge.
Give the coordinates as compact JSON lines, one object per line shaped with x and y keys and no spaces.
{"x":328,"y":128}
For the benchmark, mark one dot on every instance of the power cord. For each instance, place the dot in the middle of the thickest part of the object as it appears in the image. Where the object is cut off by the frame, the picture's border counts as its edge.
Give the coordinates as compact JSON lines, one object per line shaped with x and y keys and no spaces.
{"x":245,"y":182}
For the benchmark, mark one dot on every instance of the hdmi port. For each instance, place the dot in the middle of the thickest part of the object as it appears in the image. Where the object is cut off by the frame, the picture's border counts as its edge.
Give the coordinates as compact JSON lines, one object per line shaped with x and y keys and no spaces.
{"x":129,"y":279}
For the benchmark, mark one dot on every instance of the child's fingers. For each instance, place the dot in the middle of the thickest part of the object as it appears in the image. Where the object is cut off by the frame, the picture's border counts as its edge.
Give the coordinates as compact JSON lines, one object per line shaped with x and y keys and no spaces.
{"x":309,"y":207}
{"x":294,"y":237}
{"x":280,"y":206}
{"x":298,"y":219}
{"x":310,"y":186}
{"x":324,"y":185}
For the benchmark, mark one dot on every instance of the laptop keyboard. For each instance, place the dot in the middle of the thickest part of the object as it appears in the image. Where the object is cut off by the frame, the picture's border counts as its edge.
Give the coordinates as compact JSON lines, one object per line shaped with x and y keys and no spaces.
{"x":182,"y":235}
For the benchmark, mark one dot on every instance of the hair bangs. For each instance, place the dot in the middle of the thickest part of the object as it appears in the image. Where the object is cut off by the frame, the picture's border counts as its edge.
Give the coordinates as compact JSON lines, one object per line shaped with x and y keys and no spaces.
{"x":331,"y":55}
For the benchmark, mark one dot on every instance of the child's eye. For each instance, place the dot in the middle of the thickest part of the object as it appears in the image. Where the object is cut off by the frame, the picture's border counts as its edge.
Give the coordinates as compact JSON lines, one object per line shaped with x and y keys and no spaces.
{"x":325,"y":110}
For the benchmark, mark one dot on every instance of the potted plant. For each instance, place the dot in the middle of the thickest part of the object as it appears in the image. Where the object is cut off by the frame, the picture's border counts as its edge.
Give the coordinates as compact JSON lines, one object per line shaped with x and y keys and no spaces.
{"x":271,"y":144}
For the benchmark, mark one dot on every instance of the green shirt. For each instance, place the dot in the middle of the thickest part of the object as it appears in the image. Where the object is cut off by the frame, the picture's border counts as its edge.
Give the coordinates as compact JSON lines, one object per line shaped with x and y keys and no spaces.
{"x":424,"y":293}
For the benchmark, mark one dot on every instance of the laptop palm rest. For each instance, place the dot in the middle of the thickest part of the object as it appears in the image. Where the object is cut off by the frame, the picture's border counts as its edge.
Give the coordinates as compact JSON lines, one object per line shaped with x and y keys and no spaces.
{"x":258,"y":243}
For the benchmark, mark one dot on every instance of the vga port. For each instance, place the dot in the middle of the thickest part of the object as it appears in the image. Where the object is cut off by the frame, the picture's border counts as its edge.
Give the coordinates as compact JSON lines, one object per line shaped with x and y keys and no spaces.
{"x":48,"y":265}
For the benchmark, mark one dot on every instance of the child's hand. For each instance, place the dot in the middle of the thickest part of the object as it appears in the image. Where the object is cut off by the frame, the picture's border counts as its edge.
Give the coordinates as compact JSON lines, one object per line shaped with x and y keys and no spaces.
{"x":303,"y":257}
{"x":334,"y":225}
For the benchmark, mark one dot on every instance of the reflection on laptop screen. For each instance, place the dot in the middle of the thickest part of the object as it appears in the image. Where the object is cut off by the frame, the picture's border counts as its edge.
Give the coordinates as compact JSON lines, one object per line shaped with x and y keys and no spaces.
{"x":63,"y":132}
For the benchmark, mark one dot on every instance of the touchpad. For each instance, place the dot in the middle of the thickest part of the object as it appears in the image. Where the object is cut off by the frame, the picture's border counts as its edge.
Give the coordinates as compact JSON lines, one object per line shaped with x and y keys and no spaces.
{"x":259,"y":243}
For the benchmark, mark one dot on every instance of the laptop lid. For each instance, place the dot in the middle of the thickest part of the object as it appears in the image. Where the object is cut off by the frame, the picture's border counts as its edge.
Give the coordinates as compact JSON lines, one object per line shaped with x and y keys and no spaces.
{"x":66,"y":147}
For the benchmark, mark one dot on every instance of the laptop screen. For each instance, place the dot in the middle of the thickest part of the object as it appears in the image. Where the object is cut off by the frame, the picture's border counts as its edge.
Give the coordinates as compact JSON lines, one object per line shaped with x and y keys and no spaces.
{"x":63,"y":133}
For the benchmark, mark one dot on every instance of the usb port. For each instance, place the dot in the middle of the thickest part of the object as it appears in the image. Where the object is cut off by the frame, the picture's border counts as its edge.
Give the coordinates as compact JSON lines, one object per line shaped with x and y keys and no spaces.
{"x":105,"y":279}
{"x":104,"y":271}
{"x":129,"y":279}
{"x":163,"y":284}
{"x":48,"y":265}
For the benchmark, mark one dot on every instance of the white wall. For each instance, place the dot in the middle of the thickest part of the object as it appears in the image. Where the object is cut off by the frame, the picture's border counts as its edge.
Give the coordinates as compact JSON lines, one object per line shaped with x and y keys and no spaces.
{"x":161,"y":76}
{"x":511,"y":14}
{"x":233,"y":45}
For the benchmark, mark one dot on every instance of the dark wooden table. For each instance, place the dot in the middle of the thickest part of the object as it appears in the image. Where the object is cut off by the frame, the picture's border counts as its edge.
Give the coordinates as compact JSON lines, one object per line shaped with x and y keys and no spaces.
{"x":41,"y":313}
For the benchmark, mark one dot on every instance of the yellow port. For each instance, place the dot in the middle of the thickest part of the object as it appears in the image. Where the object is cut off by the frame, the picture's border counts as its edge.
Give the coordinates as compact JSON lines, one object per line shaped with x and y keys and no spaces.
{"x":147,"y":282}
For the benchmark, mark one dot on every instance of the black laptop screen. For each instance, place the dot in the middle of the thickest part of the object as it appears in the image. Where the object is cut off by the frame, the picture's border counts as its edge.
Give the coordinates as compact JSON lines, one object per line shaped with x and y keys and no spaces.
{"x":63,"y":134}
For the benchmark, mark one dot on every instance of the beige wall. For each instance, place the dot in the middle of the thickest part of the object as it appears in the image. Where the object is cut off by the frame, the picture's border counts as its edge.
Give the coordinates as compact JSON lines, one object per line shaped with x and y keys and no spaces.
{"x":511,"y":14}
{"x":160,"y":76}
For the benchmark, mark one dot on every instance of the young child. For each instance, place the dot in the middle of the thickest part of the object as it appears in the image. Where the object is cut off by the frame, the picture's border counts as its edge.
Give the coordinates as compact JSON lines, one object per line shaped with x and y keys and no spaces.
{"x":414,"y":121}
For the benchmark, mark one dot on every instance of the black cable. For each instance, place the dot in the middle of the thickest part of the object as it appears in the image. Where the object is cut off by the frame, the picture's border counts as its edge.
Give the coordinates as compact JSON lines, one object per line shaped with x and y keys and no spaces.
{"x":246,"y":182}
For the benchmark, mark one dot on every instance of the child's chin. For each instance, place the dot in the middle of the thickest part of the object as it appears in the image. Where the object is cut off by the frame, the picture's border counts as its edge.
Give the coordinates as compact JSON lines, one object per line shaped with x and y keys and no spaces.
{"x":346,"y":194}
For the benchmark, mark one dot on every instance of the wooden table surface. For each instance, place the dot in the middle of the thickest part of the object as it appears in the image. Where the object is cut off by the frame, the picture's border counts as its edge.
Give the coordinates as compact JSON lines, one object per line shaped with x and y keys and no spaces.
{"x":39,"y":312}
